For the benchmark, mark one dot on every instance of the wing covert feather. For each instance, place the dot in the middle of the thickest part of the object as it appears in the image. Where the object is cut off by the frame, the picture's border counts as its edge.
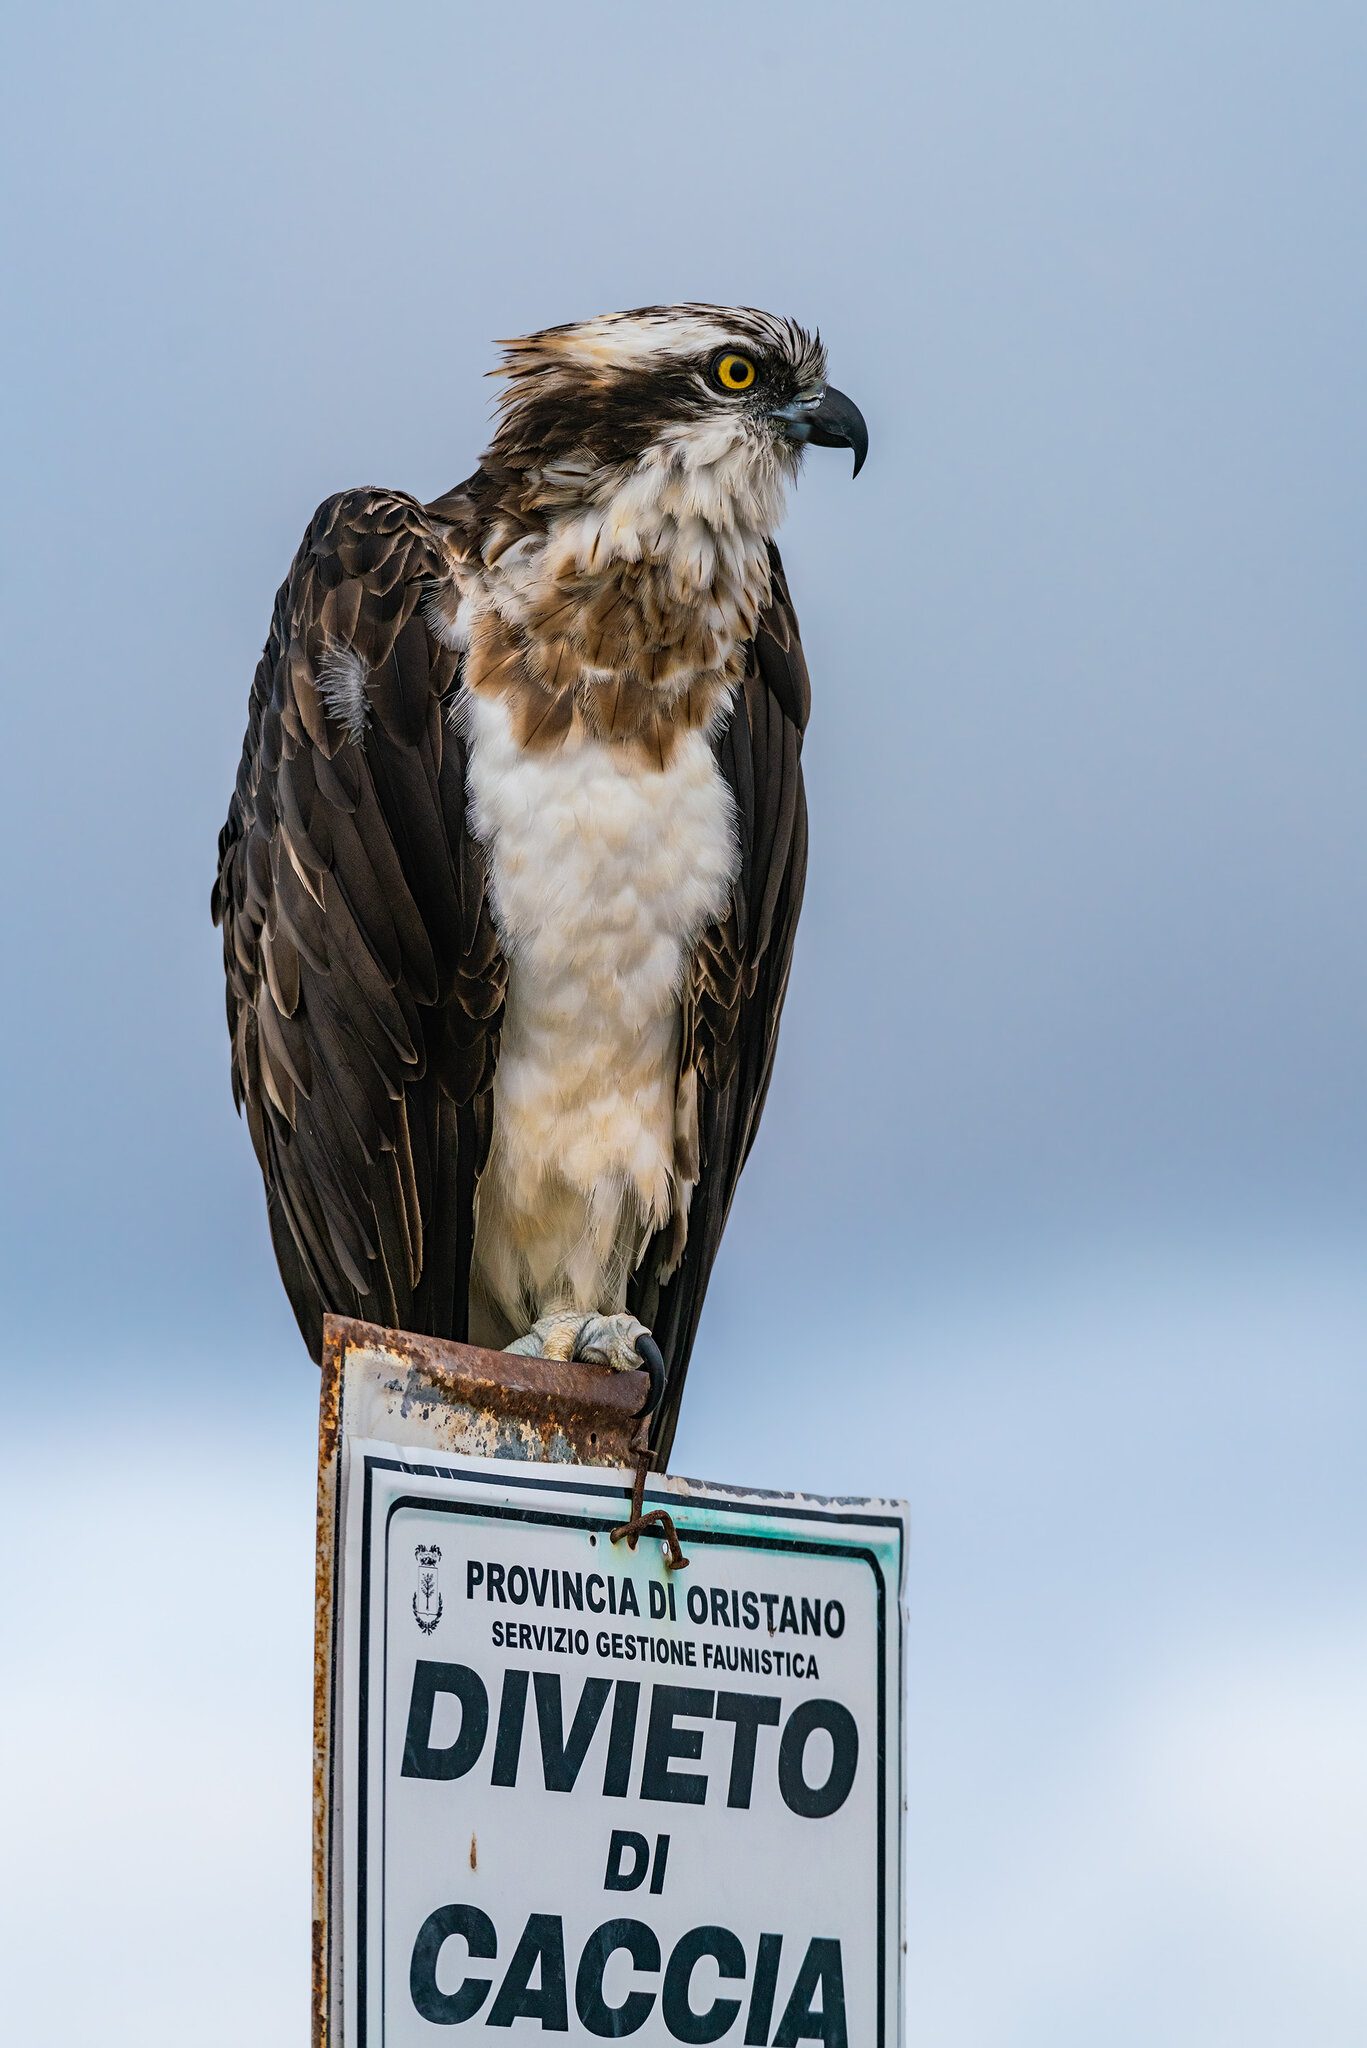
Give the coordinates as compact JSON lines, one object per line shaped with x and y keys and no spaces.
{"x":738,"y":979}
{"x":365,"y":982}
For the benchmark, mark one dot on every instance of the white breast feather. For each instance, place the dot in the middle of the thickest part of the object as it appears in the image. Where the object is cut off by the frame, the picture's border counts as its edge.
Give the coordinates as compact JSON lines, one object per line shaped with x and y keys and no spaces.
{"x":602,"y":875}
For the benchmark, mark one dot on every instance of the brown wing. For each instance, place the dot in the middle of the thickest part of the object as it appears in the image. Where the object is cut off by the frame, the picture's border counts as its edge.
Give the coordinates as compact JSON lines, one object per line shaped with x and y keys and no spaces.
{"x":365,"y":981}
{"x":738,"y":979}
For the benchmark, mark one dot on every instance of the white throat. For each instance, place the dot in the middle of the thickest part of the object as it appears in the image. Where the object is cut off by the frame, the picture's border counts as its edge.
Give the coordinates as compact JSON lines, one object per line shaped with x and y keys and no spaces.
{"x":699,"y":506}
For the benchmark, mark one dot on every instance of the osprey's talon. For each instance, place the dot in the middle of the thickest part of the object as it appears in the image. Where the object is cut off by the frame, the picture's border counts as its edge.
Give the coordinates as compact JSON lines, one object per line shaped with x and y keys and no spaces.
{"x":552,"y":1336}
{"x":652,"y":1358}
{"x":610,"y":1341}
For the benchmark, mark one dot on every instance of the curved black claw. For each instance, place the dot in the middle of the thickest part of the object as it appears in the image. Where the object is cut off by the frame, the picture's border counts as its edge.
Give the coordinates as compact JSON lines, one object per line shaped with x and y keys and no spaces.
{"x":652,"y":1358}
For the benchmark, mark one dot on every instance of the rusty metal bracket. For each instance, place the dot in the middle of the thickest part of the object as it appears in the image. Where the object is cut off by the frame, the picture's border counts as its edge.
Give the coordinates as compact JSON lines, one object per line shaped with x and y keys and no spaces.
{"x":658,"y":1522}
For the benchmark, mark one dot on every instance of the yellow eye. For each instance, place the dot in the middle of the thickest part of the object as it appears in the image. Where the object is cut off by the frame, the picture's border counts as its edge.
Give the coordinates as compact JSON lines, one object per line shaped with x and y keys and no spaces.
{"x":734,"y":373}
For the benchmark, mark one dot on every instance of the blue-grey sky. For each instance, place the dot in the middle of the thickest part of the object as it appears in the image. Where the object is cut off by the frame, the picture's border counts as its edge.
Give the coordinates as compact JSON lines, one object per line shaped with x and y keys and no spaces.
{"x":1059,"y":1203}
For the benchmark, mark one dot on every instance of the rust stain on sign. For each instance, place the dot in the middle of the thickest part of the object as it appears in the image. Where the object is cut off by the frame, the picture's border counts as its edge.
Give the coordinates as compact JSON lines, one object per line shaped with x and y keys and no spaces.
{"x":487,"y":1403}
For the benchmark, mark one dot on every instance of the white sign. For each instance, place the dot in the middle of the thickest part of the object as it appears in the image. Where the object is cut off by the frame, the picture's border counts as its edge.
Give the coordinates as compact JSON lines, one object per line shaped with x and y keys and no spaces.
{"x":576,"y":1796}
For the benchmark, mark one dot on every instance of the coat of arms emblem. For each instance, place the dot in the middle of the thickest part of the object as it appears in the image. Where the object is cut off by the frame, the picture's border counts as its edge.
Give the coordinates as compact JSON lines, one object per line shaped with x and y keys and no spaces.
{"x":427,"y":1599}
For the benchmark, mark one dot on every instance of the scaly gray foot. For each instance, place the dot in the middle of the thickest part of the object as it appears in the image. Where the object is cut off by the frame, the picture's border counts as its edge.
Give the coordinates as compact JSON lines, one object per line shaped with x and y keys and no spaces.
{"x":595,"y":1340}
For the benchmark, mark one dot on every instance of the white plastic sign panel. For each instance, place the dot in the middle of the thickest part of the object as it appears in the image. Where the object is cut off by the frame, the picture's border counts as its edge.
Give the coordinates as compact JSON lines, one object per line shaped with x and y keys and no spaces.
{"x":576,"y":1796}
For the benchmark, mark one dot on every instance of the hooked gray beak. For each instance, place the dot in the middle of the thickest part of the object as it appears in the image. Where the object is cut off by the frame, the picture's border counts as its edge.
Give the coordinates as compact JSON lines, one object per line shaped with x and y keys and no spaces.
{"x":831,"y":421}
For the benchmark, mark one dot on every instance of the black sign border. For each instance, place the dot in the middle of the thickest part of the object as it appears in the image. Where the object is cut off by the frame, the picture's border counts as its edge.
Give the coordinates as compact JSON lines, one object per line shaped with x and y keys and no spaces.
{"x":599,"y":1524}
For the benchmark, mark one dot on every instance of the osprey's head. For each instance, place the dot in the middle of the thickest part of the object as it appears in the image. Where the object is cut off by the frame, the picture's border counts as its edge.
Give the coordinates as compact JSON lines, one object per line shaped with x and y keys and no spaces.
{"x":713,"y":404}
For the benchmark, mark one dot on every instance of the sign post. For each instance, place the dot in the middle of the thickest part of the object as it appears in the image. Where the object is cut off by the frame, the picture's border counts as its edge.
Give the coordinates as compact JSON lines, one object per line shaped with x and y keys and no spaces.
{"x":563,"y":1789}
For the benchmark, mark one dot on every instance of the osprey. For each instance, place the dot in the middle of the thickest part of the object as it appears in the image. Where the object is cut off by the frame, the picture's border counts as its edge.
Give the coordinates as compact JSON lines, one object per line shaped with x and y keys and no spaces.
{"x":509,"y":880}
